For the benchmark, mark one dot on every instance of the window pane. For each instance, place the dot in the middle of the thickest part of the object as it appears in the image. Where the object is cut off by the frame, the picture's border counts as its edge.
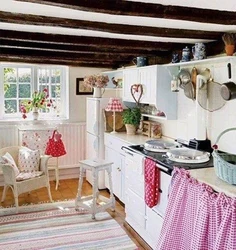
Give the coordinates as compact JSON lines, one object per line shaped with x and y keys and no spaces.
{"x":24,"y":75}
{"x":55,"y":76}
{"x":10,"y":106}
{"x":55,"y":91}
{"x":11,"y":91}
{"x":43,"y":76}
{"x":9,"y":75}
{"x":24,"y":91}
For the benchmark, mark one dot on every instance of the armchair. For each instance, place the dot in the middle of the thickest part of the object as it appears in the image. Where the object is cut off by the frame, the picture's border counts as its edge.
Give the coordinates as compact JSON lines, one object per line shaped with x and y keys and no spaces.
{"x":25,"y":185}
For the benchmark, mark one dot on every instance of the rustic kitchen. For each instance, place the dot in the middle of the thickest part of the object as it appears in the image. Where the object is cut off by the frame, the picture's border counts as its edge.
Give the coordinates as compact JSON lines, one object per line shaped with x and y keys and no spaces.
{"x":162,"y":112}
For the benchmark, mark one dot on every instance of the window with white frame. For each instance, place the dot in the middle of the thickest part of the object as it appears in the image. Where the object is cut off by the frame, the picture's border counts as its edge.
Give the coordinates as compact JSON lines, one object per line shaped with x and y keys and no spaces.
{"x":20,"y":81}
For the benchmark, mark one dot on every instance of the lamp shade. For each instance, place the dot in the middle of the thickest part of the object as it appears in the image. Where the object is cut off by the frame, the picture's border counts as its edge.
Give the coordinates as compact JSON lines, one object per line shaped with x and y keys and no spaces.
{"x":114,"y":105}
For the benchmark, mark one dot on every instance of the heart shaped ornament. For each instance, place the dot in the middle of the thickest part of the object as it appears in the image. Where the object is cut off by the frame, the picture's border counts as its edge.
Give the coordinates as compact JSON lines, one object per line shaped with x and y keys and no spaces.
{"x":136,"y":92}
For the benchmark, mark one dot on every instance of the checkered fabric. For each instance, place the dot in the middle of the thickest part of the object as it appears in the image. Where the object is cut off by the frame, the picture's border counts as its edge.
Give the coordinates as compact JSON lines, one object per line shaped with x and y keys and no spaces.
{"x":197,"y":218}
{"x":114,"y":104}
{"x":152,"y":177}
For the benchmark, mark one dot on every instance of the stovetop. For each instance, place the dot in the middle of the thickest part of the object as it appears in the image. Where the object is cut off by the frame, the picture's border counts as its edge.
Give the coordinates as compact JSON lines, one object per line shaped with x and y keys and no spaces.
{"x":162,"y":159}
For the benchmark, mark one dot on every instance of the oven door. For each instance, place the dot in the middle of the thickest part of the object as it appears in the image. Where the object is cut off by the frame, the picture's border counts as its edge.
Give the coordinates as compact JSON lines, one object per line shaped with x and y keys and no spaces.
{"x":165,"y":180}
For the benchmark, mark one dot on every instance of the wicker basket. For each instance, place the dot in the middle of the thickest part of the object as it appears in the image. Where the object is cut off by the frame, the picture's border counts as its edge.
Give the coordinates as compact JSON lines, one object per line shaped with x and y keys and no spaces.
{"x":224,"y":163}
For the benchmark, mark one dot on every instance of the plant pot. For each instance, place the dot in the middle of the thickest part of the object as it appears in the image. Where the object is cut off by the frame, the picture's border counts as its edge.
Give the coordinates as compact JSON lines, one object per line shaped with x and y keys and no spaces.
{"x":229,"y":49}
{"x":130,"y":129}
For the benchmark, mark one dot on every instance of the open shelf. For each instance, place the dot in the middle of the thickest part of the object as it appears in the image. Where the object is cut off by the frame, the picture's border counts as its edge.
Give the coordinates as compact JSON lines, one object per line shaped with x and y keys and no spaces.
{"x":155,"y":116}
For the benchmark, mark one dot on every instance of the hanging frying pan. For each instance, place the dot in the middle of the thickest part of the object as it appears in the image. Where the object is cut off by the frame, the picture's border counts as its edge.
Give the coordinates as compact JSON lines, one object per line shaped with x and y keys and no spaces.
{"x":228,"y":90}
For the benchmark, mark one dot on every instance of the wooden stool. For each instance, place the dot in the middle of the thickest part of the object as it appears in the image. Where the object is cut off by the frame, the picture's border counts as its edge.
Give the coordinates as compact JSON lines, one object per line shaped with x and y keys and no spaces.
{"x":95,"y":203}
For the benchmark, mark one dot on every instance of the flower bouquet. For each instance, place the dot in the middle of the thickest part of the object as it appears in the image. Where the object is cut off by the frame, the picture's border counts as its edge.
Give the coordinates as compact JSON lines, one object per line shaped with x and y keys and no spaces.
{"x":39,"y":101}
{"x":96,"y":81}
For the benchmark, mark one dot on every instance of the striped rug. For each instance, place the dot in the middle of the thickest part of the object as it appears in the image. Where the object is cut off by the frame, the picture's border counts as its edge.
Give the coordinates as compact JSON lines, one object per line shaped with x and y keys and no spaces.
{"x":59,"y":226}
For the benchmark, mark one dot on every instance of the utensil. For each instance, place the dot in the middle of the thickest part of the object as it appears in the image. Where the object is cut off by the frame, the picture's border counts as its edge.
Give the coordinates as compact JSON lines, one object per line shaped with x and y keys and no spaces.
{"x":209,"y":96}
{"x":186,"y":84}
{"x":228,"y":90}
{"x":194,"y":80}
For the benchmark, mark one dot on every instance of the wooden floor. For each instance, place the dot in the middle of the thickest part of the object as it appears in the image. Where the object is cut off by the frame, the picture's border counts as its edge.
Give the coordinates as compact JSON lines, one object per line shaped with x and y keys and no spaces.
{"x":67,"y":190}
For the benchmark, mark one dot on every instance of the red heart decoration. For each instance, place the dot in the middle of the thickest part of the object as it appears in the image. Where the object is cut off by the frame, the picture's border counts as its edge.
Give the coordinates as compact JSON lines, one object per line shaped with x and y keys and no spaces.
{"x":136,"y":88}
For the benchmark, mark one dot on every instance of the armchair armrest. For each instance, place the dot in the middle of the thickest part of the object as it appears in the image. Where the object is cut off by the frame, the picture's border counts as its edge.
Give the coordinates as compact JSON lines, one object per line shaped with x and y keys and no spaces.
{"x":43,"y":165}
{"x":8,"y":173}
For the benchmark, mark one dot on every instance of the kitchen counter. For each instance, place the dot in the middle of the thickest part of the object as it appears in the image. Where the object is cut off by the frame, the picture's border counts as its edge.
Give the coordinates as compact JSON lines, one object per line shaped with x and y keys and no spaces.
{"x":208,"y":176}
{"x":205,"y":175}
{"x":136,"y":139}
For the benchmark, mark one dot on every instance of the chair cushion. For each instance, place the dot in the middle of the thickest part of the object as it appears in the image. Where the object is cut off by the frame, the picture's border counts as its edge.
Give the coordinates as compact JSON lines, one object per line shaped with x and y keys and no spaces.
{"x":24,"y":175}
{"x":28,"y":160}
{"x":8,"y":159}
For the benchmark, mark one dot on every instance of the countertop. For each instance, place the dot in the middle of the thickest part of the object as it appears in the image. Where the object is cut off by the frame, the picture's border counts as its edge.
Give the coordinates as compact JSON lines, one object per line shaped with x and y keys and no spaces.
{"x":208,"y":176}
{"x":136,"y":139}
{"x":205,"y":175}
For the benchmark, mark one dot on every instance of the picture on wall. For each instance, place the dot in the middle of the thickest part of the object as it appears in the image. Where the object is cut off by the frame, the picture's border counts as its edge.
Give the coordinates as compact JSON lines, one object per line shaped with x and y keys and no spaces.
{"x":81,"y":89}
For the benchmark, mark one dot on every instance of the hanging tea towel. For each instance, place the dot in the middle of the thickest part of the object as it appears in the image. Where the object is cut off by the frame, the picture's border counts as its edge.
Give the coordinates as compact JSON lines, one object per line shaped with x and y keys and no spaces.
{"x":152,"y":179}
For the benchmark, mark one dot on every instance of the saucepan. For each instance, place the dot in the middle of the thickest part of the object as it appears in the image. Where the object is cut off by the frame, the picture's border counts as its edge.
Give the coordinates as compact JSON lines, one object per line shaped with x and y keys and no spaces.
{"x":228,"y":89}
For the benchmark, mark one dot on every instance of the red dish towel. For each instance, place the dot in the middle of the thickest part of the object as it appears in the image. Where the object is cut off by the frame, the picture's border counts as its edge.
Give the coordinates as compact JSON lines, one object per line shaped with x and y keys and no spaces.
{"x":152,"y":180}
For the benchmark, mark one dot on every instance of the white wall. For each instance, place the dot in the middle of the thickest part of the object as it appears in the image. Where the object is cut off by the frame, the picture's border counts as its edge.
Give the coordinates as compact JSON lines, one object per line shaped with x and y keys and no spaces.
{"x":216,"y":122}
{"x":77,"y":103}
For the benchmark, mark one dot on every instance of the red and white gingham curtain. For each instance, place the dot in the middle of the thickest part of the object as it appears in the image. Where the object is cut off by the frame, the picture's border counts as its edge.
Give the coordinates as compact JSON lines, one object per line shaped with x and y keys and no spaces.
{"x":197,"y":218}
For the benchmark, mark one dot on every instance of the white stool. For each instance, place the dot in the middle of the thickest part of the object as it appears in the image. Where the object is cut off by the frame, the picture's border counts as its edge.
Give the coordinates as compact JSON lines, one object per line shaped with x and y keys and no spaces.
{"x":95,"y":203}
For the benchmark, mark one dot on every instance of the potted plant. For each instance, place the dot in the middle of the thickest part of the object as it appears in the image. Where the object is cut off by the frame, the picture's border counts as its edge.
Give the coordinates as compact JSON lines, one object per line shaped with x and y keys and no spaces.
{"x":131,"y":118}
{"x":229,"y":41}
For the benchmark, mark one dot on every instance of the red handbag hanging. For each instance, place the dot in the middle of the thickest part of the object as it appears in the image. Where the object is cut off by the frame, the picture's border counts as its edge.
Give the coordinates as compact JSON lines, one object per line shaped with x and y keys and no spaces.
{"x":55,"y":146}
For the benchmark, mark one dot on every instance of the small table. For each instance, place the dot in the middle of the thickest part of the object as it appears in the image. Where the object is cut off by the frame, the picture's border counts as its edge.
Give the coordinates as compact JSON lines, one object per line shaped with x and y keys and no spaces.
{"x":95,"y":203}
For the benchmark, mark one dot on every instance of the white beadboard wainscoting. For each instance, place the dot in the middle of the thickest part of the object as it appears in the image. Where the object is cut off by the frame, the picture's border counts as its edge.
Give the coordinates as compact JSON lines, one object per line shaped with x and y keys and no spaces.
{"x":73,"y":137}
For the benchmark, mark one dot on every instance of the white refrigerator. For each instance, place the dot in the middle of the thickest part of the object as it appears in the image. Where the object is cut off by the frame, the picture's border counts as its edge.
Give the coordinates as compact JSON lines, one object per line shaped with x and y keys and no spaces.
{"x":95,"y":135}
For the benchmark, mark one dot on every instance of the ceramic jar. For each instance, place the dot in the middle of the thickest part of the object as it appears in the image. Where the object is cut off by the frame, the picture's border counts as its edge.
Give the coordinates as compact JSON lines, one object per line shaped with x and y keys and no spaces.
{"x":98,"y":92}
{"x":199,"y":51}
{"x":140,"y":61}
{"x":175,"y":57}
{"x":185,"y":54}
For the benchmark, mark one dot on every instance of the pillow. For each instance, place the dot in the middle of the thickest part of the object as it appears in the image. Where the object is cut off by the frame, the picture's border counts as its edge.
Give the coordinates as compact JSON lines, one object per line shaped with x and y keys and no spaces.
{"x":8,"y":159}
{"x":28,"y":160}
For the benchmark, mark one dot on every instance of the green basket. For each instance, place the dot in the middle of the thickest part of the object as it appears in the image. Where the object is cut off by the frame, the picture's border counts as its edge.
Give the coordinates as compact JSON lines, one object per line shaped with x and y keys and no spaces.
{"x":224,"y":163}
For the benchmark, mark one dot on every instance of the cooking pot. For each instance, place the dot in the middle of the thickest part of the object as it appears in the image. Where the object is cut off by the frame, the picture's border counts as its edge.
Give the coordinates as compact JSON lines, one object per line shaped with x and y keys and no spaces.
{"x":228,"y":91}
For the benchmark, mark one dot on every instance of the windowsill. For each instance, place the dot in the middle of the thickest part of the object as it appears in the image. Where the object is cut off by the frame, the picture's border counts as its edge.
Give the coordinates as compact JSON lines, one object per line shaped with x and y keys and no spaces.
{"x":21,"y":121}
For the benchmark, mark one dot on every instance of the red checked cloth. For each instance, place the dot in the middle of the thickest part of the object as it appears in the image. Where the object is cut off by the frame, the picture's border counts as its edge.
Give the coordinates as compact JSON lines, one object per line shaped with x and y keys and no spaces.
{"x":152,"y":177}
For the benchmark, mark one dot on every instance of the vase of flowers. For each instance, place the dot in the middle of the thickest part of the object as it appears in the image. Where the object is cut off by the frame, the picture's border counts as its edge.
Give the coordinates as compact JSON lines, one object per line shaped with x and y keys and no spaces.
{"x":39,"y":101}
{"x":98,"y":83}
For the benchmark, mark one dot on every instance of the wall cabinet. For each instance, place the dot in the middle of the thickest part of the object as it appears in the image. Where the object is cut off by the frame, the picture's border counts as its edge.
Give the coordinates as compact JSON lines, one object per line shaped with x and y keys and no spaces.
{"x":156,"y":83}
{"x":114,"y":153}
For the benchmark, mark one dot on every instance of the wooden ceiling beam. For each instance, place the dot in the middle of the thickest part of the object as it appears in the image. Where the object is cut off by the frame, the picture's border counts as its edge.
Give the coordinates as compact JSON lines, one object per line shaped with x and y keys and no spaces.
{"x":46,"y":60}
{"x":88,"y":41}
{"x":107,"y":27}
{"x":66,"y":55}
{"x":119,"y":7}
{"x":7,"y":43}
